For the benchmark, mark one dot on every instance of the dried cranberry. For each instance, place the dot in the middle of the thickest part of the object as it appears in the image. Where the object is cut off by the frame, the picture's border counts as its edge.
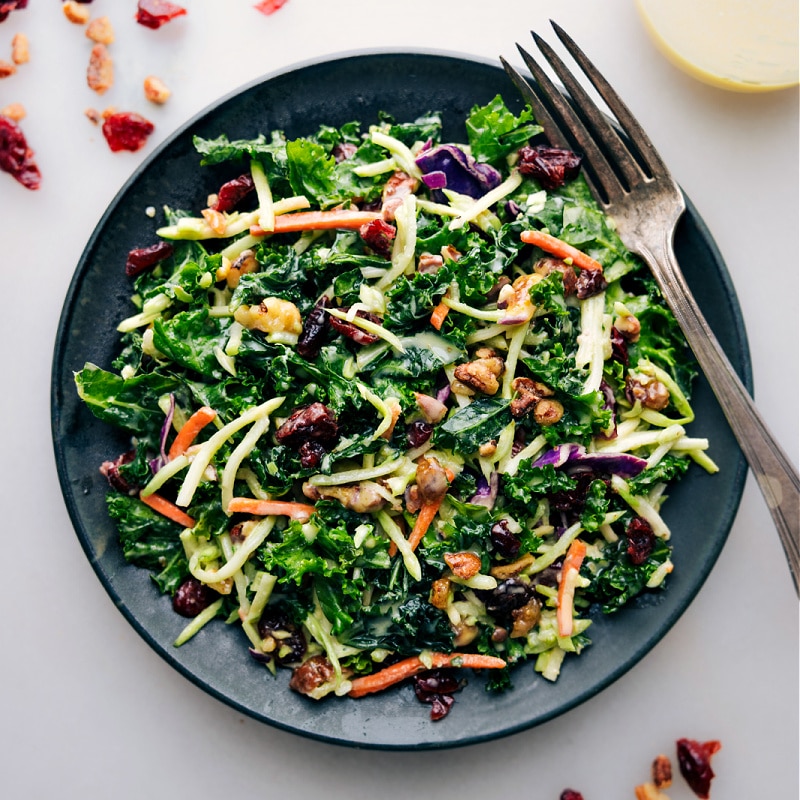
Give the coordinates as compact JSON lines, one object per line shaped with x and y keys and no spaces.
{"x":16,"y":157}
{"x":8,"y":6}
{"x":508,"y":596}
{"x":268,"y":7}
{"x":143,"y":258}
{"x":551,"y":166}
{"x":192,"y":597}
{"x":589,"y":282}
{"x":619,"y":347}
{"x":418,"y":433}
{"x":571,"y":794}
{"x":155,"y":13}
{"x":640,"y":540}
{"x":351,"y":331}
{"x":694,"y":760}
{"x":506,"y":544}
{"x":126,"y":130}
{"x":378,"y":236}
{"x":315,"y":326}
{"x":311,"y":454}
{"x":110,"y":470}
{"x":232,"y":192}
{"x":315,"y":422}
{"x":436,"y":688}
{"x":290,"y":643}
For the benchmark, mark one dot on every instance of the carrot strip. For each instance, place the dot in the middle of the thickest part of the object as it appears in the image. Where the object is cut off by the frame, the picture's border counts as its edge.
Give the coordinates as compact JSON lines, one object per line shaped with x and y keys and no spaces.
{"x":426,"y":515}
{"x":439,"y":314}
{"x":266,"y":508}
{"x":566,"y":587}
{"x":560,"y":249}
{"x":383,"y":679}
{"x":317,"y":221}
{"x":189,"y":431}
{"x":167,"y":509}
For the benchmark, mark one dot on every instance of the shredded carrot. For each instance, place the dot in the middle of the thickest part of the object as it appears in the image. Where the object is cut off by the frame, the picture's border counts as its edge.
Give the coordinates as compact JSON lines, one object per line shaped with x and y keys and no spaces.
{"x":168,"y":509}
{"x":190,"y":429}
{"x":318,"y":221}
{"x":566,"y":587}
{"x":426,"y":516}
{"x":266,"y":508}
{"x":409,"y":667}
{"x":439,"y":314}
{"x":560,"y":249}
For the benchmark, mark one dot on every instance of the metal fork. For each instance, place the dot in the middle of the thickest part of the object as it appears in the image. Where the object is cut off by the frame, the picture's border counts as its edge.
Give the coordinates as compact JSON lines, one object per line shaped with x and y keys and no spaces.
{"x":630,"y":181}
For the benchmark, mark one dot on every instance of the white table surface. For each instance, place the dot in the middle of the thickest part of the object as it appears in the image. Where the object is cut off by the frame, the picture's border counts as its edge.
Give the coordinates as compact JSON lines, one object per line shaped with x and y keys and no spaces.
{"x":89,"y":711}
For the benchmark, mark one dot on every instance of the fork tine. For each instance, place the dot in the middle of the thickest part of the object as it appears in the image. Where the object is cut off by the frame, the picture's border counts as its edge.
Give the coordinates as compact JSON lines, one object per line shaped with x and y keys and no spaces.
{"x":603,"y":130}
{"x":627,"y":121}
{"x":540,"y":112}
{"x":595,"y":160}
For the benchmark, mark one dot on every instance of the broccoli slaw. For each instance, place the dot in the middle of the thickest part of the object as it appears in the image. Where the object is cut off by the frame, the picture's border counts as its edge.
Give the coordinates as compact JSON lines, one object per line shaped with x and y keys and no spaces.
{"x":397,"y":405}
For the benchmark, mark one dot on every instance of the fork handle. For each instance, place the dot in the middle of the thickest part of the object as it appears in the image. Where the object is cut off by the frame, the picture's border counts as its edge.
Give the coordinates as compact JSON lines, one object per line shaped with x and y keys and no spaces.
{"x":776,"y":475}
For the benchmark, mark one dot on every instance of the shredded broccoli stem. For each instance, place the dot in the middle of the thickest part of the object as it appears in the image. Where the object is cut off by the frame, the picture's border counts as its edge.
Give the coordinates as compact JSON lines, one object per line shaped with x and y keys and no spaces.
{"x":202,"y":619}
{"x":254,"y":540}
{"x":239,"y":454}
{"x":266,"y":207}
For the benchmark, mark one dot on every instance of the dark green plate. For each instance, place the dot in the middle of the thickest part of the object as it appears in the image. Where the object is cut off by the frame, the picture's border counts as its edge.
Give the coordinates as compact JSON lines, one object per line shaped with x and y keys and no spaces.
{"x":358,"y":87}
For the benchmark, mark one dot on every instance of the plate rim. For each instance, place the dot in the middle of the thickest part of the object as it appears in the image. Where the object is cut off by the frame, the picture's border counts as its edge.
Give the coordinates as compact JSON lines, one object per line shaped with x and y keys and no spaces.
{"x":57,"y":369}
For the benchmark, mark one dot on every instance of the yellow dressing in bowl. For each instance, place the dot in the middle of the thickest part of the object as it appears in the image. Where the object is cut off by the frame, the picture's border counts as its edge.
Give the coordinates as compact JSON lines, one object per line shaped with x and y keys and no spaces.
{"x":742,"y":45}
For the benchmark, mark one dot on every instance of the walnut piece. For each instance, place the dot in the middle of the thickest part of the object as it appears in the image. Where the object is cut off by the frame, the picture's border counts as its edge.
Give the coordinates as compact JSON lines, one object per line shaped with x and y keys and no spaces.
{"x":272,"y":315}
{"x":75,"y":12}
{"x":100,"y":30}
{"x":155,"y":90}
{"x":465,"y":564}
{"x":100,"y":73}
{"x":20,"y":52}
{"x":481,"y":374}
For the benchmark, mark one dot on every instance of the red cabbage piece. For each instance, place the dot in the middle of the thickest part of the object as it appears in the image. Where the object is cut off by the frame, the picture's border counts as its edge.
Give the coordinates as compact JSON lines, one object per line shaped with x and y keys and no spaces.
{"x":575,"y":456}
{"x":461,"y":172}
{"x":486,"y":493}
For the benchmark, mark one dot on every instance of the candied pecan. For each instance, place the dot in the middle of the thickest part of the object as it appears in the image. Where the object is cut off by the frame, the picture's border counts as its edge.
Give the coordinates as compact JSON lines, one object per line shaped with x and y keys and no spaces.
{"x":75,"y":12}
{"x":548,"y":412}
{"x":494,"y":293}
{"x":20,"y":52}
{"x":361,"y":498}
{"x":528,"y":393}
{"x":464,"y":634}
{"x":378,"y":235}
{"x":516,"y":300}
{"x":662,"y":771}
{"x":431,"y":479}
{"x":311,"y":676}
{"x":525,"y":618}
{"x":100,"y":30}
{"x":465,"y":564}
{"x":7,"y":69}
{"x":551,"y":166}
{"x":100,"y":73}
{"x":14,"y":111}
{"x":155,"y":90}
{"x":641,"y":540}
{"x":648,"y":791}
{"x":440,"y":593}
{"x":412,"y":499}
{"x":589,"y":282}
{"x":315,"y":422}
{"x":271,"y":315}
{"x":569,"y":279}
{"x":245,"y":263}
{"x":651,"y":393}
{"x":481,"y":374}
{"x":628,"y":326}
{"x":353,"y":332}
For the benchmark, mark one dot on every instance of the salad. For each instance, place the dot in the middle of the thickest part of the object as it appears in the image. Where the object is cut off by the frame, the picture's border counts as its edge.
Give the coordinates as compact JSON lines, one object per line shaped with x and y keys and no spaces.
{"x":399,"y":407}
